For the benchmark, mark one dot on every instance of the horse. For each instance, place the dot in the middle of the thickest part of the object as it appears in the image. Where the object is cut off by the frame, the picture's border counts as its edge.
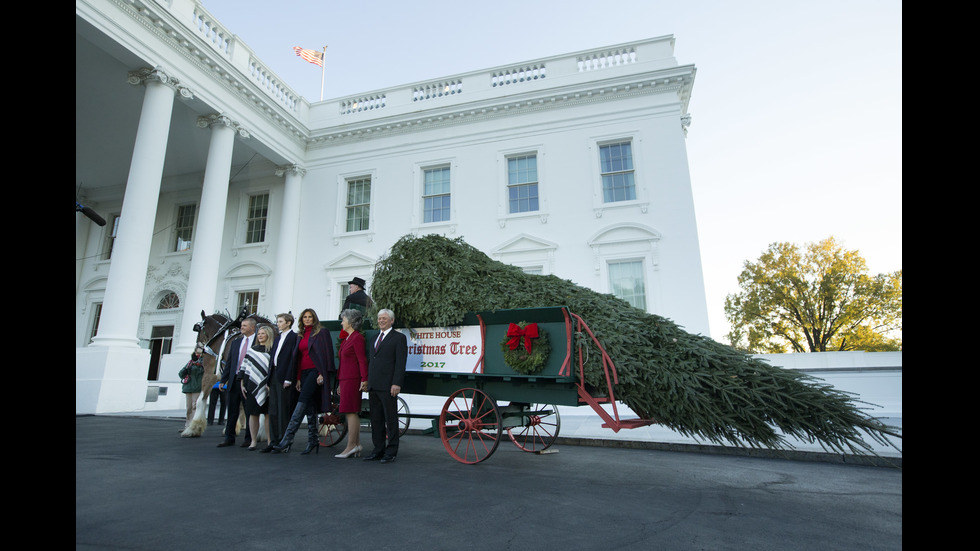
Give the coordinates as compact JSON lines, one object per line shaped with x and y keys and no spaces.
{"x":214,"y":335}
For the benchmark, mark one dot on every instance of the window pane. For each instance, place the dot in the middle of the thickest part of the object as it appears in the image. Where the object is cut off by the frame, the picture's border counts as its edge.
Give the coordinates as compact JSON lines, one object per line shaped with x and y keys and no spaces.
{"x":249,"y":299}
{"x":184,"y":227}
{"x":95,"y":320}
{"x":626,"y":282}
{"x":110,"y":238}
{"x":358,"y":204}
{"x":258,"y":212}
{"x":522,"y":182}
{"x":436,"y":195}
{"x":523,"y":198}
{"x":616,"y":164}
{"x":436,"y":181}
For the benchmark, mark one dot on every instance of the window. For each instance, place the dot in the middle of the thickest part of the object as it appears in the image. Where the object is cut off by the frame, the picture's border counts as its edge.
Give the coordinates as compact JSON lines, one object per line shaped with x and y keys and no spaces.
{"x":258,"y":213}
{"x":95,"y":321}
{"x":522,"y":183}
{"x":358,"y":203}
{"x":169,"y":300}
{"x":344,"y":291}
{"x":110,"y":236}
{"x":616,"y":166}
{"x":626,"y":282}
{"x":249,"y":300}
{"x":184,"y":227}
{"x":435,"y":195}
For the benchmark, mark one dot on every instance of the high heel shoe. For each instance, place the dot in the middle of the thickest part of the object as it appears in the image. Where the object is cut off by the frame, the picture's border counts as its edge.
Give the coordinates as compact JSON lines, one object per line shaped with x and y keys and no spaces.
{"x":355,"y":451}
{"x":311,"y":447}
{"x":281,"y":449}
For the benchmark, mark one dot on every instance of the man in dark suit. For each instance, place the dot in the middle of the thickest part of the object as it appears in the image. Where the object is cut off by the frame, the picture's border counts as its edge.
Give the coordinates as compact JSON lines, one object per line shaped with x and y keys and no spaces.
{"x":282,"y":395}
{"x":232,"y":377}
{"x":386,"y":373}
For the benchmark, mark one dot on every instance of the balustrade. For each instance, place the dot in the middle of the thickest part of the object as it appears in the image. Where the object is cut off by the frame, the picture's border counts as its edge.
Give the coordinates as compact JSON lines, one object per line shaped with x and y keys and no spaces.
{"x":520,"y":74}
{"x":366,"y":103}
{"x":440,"y":89}
{"x":603,"y":60}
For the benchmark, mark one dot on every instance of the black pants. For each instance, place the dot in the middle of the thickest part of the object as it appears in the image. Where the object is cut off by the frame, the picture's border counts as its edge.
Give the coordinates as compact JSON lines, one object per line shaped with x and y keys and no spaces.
{"x":215,"y":398}
{"x":384,"y":421}
{"x":281,"y":404}
{"x":234,"y":400}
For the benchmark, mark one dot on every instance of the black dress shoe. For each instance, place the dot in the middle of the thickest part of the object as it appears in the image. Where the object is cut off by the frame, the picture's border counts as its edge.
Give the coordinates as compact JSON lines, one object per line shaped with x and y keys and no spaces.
{"x":267,"y":449}
{"x":373,"y":457}
{"x":388,"y":459}
{"x":244,"y":444}
{"x":226,"y":443}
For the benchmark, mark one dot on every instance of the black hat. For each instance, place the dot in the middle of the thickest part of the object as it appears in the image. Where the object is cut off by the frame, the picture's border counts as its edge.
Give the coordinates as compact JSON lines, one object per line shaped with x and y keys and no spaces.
{"x":357,"y":281}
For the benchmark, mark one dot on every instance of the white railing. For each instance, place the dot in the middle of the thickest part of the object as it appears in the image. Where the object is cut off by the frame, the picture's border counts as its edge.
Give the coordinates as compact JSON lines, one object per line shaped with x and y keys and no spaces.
{"x":438,"y":89}
{"x":520,"y":74}
{"x":241,"y":56}
{"x":605,"y":59}
{"x":364,"y":103}
{"x":212,"y":31}
{"x":652,"y":54}
{"x":655,"y":53}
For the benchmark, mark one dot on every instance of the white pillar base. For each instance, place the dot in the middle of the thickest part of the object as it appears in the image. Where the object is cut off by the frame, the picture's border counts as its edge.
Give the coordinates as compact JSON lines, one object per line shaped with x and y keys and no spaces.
{"x":110,"y":379}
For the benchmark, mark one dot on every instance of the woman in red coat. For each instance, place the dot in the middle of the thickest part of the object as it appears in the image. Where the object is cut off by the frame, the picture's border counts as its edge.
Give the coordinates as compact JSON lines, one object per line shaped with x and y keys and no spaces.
{"x":352,"y":372}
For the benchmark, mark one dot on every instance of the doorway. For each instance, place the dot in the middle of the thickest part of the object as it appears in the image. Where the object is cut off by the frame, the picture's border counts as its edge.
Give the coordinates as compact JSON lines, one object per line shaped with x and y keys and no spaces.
{"x":161,"y":339}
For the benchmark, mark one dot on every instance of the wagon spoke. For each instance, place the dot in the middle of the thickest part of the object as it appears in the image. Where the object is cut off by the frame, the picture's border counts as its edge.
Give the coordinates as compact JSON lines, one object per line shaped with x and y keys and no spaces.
{"x":469,"y":426}
{"x":539,"y":428}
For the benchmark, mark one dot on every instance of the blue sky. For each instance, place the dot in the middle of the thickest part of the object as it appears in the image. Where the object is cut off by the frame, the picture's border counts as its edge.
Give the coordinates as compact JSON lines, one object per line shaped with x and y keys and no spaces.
{"x":796,"y":131}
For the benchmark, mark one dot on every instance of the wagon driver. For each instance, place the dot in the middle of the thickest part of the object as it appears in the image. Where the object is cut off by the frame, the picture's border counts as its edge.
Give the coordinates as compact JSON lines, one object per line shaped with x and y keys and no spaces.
{"x":358,"y":299}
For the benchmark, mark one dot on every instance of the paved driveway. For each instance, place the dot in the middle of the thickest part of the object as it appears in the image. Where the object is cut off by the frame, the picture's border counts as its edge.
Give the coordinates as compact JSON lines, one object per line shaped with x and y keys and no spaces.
{"x":138,"y":485}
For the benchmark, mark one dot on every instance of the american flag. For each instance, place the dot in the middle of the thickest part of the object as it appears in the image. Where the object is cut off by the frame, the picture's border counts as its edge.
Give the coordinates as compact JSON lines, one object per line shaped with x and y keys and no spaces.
{"x":312,"y":56}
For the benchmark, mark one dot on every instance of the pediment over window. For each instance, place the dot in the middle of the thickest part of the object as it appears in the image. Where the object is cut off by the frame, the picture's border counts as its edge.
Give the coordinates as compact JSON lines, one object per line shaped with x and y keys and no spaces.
{"x":349,"y":259}
{"x":524,"y":243}
{"x":248,"y":269}
{"x":624,"y":233}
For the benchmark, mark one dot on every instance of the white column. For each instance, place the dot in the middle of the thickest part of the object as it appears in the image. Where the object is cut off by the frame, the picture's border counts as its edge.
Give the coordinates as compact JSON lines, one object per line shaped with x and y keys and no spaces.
{"x":131,"y":249}
{"x":285,"y":268}
{"x":203,"y":279}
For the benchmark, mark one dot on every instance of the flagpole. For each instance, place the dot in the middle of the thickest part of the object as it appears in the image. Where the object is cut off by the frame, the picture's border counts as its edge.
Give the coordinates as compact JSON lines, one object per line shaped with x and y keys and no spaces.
{"x":323,"y":71}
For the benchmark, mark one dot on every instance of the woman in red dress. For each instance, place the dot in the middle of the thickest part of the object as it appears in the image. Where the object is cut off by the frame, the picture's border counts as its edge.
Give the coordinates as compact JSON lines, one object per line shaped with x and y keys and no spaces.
{"x":352,"y":372}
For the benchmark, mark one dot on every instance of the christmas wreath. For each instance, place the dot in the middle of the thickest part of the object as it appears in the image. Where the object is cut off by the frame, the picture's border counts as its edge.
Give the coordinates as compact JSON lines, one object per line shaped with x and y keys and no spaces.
{"x":526,"y":347}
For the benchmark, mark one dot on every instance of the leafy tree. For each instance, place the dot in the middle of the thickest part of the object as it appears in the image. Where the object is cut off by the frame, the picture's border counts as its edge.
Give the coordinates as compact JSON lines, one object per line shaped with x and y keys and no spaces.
{"x":814,"y":300}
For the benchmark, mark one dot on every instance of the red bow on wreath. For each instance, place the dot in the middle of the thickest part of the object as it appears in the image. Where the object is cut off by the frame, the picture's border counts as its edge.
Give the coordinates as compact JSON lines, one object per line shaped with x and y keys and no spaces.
{"x":515,"y":332}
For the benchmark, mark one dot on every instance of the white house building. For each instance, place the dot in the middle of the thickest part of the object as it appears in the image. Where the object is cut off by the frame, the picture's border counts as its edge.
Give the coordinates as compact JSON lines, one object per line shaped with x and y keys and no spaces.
{"x":220,"y":185}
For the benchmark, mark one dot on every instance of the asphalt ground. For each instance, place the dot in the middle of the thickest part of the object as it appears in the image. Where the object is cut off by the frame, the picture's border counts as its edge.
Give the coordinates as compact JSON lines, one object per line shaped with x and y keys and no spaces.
{"x":138,"y":485}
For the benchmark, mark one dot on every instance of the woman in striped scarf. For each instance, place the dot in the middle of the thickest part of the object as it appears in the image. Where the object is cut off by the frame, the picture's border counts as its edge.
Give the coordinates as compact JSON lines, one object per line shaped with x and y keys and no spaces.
{"x":255,"y":391}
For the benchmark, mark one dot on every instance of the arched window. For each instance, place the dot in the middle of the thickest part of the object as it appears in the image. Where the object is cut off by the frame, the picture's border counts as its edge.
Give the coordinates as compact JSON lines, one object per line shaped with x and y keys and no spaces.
{"x":169,"y":300}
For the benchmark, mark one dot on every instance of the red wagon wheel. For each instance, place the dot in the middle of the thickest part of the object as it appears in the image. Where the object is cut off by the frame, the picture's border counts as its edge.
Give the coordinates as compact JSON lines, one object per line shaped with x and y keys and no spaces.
{"x":469,"y":426}
{"x":538,"y":429}
{"x":333,"y":428}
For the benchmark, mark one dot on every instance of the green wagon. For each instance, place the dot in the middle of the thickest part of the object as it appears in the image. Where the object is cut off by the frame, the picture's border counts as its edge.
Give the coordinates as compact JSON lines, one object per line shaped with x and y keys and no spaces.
{"x":496,"y":383}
